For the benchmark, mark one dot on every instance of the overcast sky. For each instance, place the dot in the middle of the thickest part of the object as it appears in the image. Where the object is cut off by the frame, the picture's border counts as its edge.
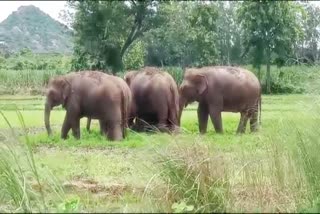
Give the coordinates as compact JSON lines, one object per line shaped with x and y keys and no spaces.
{"x":52,"y":8}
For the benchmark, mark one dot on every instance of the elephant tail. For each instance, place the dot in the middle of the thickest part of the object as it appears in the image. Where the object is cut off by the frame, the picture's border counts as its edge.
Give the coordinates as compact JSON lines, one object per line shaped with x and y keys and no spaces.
{"x":174,"y":107}
{"x":260,"y":109}
{"x":123,"y":113}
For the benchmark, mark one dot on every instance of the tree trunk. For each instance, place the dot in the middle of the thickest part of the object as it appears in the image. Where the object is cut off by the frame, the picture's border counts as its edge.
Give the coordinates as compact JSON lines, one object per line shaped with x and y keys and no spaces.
{"x":268,"y":76}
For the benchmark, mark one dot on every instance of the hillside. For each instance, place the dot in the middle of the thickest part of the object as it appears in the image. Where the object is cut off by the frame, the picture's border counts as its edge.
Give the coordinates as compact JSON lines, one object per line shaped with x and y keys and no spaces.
{"x":29,"y":27}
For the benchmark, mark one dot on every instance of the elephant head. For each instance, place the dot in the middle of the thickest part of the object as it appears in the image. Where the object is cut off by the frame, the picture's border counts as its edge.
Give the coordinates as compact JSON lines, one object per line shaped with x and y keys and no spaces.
{"x":57,"y":93}
{"x":192,"y":88}
{"x":129,"y":76}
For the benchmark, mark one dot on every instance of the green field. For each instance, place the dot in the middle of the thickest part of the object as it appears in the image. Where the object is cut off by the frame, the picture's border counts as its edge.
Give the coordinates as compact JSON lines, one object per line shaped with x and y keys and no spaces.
{"x":260,"y":172}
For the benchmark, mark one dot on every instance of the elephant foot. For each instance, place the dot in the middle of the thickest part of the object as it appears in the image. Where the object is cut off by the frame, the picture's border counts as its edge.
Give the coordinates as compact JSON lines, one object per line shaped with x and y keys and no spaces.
{"x":240,"y":132}
{"x":219,"y":131}
{"x":64,"y":137}
{"x":254,"y":130}
{"x":203,"y":132}
{"x":176,"y":130}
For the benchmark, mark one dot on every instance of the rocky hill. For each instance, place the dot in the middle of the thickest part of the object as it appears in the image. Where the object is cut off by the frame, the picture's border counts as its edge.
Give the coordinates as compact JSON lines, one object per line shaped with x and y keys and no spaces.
{"x":29,"y":27}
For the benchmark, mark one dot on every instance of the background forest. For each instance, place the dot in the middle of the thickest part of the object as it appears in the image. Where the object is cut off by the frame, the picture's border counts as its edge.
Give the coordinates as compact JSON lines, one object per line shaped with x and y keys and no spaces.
{"x":276,"y":40}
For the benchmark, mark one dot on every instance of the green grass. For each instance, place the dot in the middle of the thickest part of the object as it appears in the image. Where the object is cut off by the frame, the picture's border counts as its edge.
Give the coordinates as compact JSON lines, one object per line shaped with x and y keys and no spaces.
{"x":274,"y":170}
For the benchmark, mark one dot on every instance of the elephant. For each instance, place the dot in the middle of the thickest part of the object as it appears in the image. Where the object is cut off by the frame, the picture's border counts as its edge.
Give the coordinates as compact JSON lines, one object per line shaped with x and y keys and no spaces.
{"x":221,"y":89}
{"x":155,"y":100}
{"x":90,"y":94}
{"x":127,"y":93}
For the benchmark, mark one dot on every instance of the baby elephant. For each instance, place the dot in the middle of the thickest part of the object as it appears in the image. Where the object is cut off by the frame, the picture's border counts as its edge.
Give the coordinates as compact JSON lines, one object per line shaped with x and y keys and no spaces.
{"x":155,"y":100}
{"x":90,"y":94}
{"x":222,"y":88}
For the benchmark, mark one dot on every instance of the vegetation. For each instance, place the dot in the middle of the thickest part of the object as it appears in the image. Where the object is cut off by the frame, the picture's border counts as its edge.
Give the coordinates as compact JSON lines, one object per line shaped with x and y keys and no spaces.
{"x":271,"y":27}
{"x":274,"y":170}
{"x":285,"y":80}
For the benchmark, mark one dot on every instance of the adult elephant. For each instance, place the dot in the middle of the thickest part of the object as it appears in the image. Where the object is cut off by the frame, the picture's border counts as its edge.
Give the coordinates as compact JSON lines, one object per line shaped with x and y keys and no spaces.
{"x":155,"y":99}
{"x":222,"y":88}
{"x":89,"y":94}
{"x":127,"y":94}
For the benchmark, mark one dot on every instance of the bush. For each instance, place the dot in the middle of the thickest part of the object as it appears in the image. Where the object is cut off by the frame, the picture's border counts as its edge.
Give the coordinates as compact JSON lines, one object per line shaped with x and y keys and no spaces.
{"x":176,"y":73}
{"x":197,"y":179}
{"x":134,"y":58}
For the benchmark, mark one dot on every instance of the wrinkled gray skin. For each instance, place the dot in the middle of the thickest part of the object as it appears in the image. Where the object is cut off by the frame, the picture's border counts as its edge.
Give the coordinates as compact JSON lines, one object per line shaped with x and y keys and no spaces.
{"x":222,"y":89}
{"x":155,"y":100}
{"x":128,"y":96}
{"x":87,"y":94}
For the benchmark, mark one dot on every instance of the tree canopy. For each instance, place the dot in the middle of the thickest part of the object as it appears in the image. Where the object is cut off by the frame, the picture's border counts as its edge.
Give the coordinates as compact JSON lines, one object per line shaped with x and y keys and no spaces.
{"x":120,"y":35}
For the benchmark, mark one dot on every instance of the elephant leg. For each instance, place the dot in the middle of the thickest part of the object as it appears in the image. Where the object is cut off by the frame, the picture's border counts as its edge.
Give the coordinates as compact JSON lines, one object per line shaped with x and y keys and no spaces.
{"x":88,"y":124}
{"x":216,"y":119}
{"x":203,"y":116}
{"x":162,"y":117}
{"x":76,"y":128}
{"x":132,"y":115}
{"x":113,"y":124}
{"x":254,"y":120}
{"x":243,"y":123}
{"x":114,"y":132}
{"x":66,"y":126}
{"x":130,"y":121}
{"x":103,"y":128}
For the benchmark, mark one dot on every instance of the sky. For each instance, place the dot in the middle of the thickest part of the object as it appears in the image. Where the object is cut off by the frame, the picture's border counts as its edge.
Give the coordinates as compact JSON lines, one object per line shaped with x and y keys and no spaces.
{"x":52,"y":8}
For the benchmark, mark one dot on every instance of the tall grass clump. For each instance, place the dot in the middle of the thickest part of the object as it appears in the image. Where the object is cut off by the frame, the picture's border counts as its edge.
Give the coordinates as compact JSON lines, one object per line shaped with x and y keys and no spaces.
{"x":21,"y":181}
{"x":197,"y":179}
{"x":306,"y":154}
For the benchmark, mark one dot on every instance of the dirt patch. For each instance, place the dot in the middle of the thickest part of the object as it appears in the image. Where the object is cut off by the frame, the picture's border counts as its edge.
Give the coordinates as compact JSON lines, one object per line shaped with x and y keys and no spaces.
{"x":84,"y":184}
{"x":79,"y":184}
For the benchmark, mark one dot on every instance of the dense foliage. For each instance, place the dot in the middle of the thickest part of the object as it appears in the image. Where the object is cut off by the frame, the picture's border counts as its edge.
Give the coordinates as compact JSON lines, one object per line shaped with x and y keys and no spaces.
{"x":124,"y":35}
{"x":194,"y":34}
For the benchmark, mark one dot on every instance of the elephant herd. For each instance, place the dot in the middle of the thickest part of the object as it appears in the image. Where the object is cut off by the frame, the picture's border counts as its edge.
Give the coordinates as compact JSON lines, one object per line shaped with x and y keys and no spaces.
{"x":150,"y":97}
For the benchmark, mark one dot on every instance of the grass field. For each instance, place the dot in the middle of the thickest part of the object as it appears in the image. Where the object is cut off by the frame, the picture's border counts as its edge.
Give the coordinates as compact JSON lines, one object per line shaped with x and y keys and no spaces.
{"x":274,"y":170}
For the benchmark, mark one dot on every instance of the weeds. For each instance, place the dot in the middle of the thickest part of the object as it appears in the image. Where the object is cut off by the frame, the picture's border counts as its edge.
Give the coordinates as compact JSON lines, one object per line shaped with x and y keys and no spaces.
{"x":196,"y":178}
{"x":20,"y":179}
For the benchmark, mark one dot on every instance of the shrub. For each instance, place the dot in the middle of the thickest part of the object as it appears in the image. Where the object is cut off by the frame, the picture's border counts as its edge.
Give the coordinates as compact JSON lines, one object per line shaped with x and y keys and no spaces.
{"x":196,"y":178}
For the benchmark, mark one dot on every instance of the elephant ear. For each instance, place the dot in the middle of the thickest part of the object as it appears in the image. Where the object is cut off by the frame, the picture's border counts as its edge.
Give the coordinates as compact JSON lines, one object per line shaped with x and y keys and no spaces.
{"x":127,"y":79}
{"x":202,"y":83}
{"x":66,"y":90}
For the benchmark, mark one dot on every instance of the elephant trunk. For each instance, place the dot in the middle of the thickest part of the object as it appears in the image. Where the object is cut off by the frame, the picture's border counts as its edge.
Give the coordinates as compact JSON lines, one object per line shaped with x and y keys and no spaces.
{"x":182,"y":103}
{"x":47,"y":117}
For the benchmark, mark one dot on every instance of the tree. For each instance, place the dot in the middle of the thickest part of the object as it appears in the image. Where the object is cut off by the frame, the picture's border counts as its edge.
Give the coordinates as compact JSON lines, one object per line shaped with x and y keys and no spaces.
{"x":104,"y":30}
{"x":203,"y":28}
{"x":228,"y":33}
{"x":271,"y":27}
{"x":308,"y":46}
{"x":169,"y":43}
{"x":186,"y":36}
